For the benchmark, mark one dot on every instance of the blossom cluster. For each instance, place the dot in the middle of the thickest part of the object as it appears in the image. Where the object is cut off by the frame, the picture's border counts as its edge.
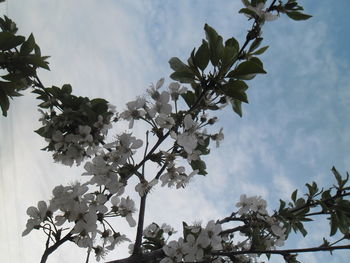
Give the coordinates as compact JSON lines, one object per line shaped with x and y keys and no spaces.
{"x":271,"y":231}
{"x":196,"y":246}
{"x":190,"y":138}
{"x":72,"y":140}
{"x":111,"y":164}
{"x":200,"y":244}
{"x":153,"y":230}
{"x":85,"y":213}
{"x":259,"y":10}
{"x":76,"y":129}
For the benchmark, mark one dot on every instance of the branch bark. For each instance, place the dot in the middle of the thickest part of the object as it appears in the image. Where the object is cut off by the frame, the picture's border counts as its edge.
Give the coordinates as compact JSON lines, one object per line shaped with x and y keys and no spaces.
{"x":282,"y":252}
{"x":141,"y":258}
{"x":51,"y":249}
{"x":137,"y":246}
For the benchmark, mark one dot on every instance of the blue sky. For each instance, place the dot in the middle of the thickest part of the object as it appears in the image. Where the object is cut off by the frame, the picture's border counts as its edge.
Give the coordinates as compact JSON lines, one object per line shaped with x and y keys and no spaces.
{"x":293,"y":131}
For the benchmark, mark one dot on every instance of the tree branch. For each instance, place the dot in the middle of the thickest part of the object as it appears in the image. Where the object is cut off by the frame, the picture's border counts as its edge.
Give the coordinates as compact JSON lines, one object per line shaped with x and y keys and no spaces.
{"x":157,"y":254}
{"x":282,"y":252}
{"x":51,"y":249}
{"x":313,"y":204}
{"x":232,"y":230}
{"x":137,"y":246}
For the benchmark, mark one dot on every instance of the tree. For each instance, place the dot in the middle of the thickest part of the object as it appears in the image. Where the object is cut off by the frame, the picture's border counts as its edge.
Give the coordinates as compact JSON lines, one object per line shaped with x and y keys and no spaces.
{"x":75,"y":126}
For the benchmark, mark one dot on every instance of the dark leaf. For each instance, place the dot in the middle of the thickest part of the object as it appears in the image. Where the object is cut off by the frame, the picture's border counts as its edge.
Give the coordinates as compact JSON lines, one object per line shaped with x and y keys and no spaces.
{"x":189,"y":97}
{"x":228,"y":58}
{"x":9,"y":41}
{"x":235,"y":89}
{"x":201,"y":58}
{"x":177,"y":65}
{"x":261,"y":50}
{"x":246,"y":68}
{"x":294,"y":195}
{"x":66,"y":88}
{"x":215,"y":42}
{"x":28,"y":46}
{"x":334,"y":224}
{"x":237,"y":107}
{"x":337,"y":175}
{"x":183,"y":77}
{"x":200,"y":166}
{"x":37,"y":62}
{"x":232,"y":42}
{"x":256,"y":43}
{"x":248,"y":12}
{"x":301,"y":228}
{"x":298,"y":16}
{"x":4,"y":102}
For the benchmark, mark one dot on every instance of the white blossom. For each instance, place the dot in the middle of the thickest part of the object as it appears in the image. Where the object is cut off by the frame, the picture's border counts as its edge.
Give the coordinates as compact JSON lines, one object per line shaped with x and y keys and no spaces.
{"x":176,"y":90}
{"x":37,"y":215}
{"x":262,"y":12}
{"x":254,"y":203}
{"x":144,"y":187}
{"x":135,"y":111}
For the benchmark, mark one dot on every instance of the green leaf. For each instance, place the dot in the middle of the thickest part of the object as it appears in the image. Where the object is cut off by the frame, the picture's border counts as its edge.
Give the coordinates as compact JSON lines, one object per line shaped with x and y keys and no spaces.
{"x":191,"y":64}
{"x":337,"y":175}
{"x":177,"y":65}
{"x":66,"y":88}
{"x":201,"y":58}
{"x":189,"y":97}
{"x":37,"y":51}
{"x":246,"y":2}
{"x":197,"y":88}
{"x":100,"y":106}
{"x":232,"y":42}
{"x":37,"y":61}
{"x":261,"y":50}
{"x":186,"y":231}
{"x":28,"y":46}
{"x":290,"y":5}
{"x":11,"y":88}
{"x":235,"y":89}
{"x":334,"y":224}
{"x":294,"y":195}
{"x":215,"y":42}
{"x":300,"y":202}
{"x":301,"y":228}
{"x":183,"y":76}
{"x":326,"y":195}
{"x":200,"y":166}
{"x":203,"y":148}
{"x":298,"y":16}
{"x":282,"y":205}
{"x":9,"y":41}
{"x":246,"y":68}
{"x":227,"y":58}
{"x":4,"y":102}
{"x":248,"y":12}
{"x":237,"y":107}
{"x":256,"y":43}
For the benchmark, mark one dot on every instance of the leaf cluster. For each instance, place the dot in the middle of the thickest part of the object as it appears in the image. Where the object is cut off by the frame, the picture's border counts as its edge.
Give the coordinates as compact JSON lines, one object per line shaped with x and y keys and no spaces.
{"x":20,"y":58}
{"x":292,"y":9}
{"x":215,"y":68}
{"x":73,"y":111}
{"x":331,"y":202}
